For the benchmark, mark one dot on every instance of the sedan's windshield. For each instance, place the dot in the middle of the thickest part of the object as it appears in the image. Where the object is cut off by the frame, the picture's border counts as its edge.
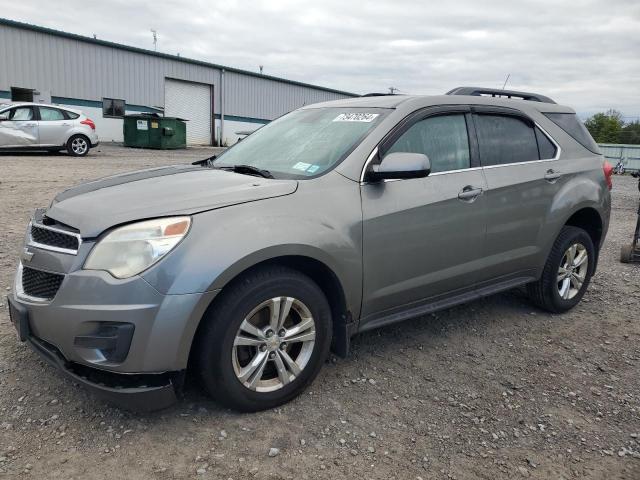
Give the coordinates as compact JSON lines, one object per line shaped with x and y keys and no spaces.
{"x":304,"y":143}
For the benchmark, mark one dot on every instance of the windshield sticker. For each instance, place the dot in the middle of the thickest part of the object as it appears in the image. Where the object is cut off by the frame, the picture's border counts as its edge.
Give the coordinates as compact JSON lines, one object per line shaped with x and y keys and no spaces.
{"x":301,"y":166}
{"x":313,"y":168}
{"x":356,"y":117}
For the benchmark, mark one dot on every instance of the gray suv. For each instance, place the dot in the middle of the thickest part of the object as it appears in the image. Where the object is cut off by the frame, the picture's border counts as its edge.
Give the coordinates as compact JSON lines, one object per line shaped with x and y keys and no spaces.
{"x":334,"y":219}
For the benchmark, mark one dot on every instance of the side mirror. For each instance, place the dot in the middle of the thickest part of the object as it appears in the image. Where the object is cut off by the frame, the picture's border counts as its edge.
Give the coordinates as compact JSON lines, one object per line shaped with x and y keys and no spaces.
{"x":401,"y":165}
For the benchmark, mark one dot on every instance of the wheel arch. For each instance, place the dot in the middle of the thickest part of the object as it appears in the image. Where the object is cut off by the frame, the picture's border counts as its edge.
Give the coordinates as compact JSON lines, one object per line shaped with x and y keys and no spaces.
{"x":78,"y":133}
{"x":588,"y":219}
{"x":319,"y":271}
{"x":586,"y":216}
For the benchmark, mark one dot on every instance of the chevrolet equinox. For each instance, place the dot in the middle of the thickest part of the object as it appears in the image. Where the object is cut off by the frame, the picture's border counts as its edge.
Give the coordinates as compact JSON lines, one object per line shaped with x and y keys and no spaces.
{"x":334,"y":219}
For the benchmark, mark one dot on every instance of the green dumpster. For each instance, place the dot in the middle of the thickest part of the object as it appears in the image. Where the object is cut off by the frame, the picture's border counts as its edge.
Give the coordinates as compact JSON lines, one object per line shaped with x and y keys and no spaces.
{"x":154,"y":131}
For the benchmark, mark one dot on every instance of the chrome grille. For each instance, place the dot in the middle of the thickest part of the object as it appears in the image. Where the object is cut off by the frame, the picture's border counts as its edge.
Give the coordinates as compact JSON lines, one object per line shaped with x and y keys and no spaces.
{"x":55,"y":239}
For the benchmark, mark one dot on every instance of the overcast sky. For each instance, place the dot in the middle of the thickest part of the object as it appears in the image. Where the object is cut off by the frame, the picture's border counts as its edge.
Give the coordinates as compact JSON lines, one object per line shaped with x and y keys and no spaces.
{"x":585,"y":53}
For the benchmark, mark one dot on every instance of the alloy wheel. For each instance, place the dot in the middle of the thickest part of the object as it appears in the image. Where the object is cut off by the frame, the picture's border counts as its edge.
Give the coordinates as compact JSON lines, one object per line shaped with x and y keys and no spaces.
{"x":573,"y":271}
{"x":79,"y":145}
{"x":273,"y":344}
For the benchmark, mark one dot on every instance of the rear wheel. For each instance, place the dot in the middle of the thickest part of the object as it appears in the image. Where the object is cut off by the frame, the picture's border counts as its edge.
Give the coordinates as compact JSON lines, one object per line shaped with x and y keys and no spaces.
{"x":265,"y":341}
{"x":567,"y":272}
{"x":78,"y":146}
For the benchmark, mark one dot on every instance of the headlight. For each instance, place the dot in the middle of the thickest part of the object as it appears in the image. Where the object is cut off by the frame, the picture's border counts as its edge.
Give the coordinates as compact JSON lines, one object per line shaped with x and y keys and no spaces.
{"x":129,"y":250}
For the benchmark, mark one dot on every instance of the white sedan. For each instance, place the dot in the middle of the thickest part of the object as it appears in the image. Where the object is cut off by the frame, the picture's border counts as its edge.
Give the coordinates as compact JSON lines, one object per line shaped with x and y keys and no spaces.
{"x":39,"y":126}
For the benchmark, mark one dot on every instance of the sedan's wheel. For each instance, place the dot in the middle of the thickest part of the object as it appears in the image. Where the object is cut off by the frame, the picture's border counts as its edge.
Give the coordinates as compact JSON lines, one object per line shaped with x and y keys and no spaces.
{"x":78,"y":146}
{"x":567,"y":272}
{"x":264,"y":340}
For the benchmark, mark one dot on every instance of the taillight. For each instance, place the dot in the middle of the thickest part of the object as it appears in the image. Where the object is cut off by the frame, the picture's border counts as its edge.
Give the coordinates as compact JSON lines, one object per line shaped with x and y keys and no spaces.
{"x":88,"y":121}
{"x":608,"y":173}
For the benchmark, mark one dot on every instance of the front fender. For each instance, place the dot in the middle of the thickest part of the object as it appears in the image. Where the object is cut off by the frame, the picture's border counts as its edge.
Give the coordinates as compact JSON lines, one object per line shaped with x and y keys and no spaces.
{"x":225,"y":242}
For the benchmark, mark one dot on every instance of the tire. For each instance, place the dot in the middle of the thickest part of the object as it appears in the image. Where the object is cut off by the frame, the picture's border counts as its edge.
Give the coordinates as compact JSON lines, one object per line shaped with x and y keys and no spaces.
{"x":78,"y":146}
{"x":557,"y":296}
{"x":626,"y":252}
{"x":221,"y":364}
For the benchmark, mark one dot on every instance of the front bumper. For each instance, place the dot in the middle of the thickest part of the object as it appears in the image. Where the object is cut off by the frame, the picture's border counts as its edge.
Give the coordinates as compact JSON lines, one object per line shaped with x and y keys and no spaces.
{"x":132,"y":392}
{"x":142,"y":377}
{"x":86,"y":301}
{"x":122,"y":338}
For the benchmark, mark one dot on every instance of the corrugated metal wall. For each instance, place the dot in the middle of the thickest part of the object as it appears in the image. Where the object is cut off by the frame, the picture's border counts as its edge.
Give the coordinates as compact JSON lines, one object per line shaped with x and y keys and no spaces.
{"x":73,"y":68}
{"x":629,"y":154}
{"x":76,"y":69}
{"x":245,"y":95}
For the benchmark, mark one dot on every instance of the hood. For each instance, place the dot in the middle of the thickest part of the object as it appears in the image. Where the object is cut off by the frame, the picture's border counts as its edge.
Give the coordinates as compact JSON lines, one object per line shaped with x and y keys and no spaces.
{"x":93,"y":207}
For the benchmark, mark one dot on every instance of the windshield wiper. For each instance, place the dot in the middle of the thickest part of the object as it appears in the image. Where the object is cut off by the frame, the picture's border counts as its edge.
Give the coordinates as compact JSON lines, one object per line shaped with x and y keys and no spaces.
{"x":249,"y":170}
{"x":243,"y":169}
{"x":205,"y":162}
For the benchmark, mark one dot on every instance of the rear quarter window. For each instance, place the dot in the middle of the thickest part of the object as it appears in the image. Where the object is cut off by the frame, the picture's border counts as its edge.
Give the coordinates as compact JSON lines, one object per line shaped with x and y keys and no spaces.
{"x":545,"y":146}
{"x":569,"y":123}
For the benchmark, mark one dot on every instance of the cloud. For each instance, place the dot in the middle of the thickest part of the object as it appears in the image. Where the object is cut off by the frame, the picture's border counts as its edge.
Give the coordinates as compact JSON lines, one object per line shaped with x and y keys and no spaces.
{"x":583,"y":53}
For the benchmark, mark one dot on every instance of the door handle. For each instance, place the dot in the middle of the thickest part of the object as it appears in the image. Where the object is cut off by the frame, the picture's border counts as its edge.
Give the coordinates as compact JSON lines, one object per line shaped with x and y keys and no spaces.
{"x":66,"y":124}
{"x":29,"y":124}
{"x":551,"y":175}
{"x":469,"y":193}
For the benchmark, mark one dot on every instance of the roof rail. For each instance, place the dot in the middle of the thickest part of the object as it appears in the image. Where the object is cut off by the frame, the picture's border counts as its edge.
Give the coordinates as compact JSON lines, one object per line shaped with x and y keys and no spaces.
{"x":493,"y":92}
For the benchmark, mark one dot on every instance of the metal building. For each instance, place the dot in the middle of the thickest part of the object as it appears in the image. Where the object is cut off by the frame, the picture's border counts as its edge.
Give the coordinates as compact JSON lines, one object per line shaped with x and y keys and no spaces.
{"x":106,"y":80}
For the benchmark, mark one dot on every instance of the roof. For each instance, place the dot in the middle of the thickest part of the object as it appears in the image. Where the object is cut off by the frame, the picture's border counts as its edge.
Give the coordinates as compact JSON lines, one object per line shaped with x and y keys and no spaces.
{"x":412,"y":102}
{"x":383,"y":101}
{"x":104,"y":43}
{"x":37,"y":104}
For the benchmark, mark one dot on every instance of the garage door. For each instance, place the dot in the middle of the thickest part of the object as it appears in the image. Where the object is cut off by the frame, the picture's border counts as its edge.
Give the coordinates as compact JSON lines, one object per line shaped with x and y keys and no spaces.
{"x":191,"y":101}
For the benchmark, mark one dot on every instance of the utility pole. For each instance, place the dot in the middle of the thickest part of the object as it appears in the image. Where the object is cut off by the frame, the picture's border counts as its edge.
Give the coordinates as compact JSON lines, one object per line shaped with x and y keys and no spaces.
{"x":393,"y":90}
{"x":261,"y":68}
{"x":155,"y":40}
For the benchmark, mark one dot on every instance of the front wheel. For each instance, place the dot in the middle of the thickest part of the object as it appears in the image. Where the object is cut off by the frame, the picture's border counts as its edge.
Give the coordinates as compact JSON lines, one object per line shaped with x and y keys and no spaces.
{"x":78,"y":146}
{"x":566,"y":273}
{"x":265,"y":340}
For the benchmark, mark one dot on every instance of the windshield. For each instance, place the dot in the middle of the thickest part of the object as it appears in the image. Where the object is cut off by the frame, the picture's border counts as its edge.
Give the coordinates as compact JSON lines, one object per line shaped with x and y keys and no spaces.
{"x":303,"y":143}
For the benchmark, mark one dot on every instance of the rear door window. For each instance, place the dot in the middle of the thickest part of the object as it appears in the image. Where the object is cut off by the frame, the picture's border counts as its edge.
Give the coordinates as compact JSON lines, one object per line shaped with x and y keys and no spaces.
{"x":443,"y":139}
{"x":505,"y":139}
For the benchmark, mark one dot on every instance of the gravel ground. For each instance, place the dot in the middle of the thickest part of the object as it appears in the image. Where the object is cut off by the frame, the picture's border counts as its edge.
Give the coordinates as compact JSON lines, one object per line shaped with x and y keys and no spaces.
{"x":493,"y":389}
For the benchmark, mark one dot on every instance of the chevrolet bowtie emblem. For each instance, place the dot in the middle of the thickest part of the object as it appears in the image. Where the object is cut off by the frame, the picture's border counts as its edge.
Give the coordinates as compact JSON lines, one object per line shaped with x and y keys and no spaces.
{"x":27,"y":255}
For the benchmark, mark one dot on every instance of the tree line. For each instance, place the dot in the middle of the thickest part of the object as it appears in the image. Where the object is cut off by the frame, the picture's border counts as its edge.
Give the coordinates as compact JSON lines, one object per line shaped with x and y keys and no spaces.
{"x":609,"y":127}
